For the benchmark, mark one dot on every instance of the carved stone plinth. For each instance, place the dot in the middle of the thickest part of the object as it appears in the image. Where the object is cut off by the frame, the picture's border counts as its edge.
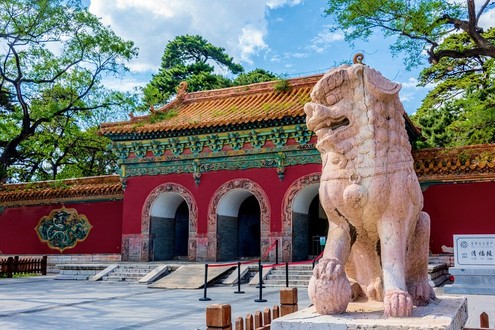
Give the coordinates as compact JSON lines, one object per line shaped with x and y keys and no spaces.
{"x":446,"y":313}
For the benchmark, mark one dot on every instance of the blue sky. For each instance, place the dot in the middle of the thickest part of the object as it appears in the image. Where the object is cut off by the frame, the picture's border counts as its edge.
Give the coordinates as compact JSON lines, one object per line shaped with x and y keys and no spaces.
{"x":289,"y":37}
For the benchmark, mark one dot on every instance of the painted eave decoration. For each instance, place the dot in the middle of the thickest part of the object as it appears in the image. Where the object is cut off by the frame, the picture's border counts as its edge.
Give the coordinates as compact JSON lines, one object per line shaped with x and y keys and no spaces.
{"x":63,"y":228}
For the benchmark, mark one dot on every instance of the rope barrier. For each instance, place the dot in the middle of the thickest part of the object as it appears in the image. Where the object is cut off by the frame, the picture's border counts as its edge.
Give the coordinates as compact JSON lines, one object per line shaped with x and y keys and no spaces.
{"x":234,"y":263}
{"x":295,"y":262}
{"x":231,"y":264}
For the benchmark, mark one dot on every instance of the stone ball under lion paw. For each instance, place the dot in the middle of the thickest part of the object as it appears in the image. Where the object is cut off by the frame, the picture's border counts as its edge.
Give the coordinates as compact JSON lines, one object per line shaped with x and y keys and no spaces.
{"x":397,"y":303}
{"x":329,"y":289}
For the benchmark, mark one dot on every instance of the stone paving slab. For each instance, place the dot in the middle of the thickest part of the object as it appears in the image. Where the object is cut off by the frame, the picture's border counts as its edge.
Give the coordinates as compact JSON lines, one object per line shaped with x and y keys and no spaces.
{"x":43,"y":303}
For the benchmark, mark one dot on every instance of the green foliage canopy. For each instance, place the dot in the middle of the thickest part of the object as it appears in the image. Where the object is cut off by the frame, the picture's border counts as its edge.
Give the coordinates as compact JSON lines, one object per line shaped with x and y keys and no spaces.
{"x":191,"y":59}
{"x":53,"y":57}
{"x":460,"y":109}
{"x":254,"y":76}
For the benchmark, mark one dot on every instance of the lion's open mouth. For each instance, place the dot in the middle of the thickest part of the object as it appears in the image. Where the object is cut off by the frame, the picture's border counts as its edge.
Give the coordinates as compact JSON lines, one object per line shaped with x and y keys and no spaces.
{"x":332,"y":123}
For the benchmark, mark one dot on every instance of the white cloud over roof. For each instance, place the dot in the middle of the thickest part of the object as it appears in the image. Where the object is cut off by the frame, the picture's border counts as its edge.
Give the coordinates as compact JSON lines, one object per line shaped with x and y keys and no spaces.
{"x":238,"y":26}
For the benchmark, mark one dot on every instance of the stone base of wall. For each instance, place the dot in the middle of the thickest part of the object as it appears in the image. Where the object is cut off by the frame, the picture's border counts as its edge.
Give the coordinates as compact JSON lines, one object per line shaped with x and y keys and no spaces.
{"x":79,"y":272}
{"x":59,"y":259}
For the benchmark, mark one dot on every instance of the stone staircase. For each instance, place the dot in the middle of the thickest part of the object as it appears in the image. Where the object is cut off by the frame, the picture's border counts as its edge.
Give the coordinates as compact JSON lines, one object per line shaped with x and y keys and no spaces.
{"x":299,"y":276}
{"x":129,"y":272}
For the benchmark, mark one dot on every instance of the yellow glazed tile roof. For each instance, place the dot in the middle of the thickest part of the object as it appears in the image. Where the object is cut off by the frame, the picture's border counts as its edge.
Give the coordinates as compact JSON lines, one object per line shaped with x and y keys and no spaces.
{"x":50,"y":192}
{"x":221,"y":107}
{"x":462,"y":164}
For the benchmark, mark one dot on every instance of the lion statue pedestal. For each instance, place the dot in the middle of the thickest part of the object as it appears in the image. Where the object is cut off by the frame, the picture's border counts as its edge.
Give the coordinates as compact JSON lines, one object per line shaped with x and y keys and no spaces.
{"x":378,"y":237}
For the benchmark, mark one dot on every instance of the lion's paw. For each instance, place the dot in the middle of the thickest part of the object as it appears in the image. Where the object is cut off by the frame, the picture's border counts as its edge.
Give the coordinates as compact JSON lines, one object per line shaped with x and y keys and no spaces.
{"x":421,"y":293}
{"x":397,"y":303}
{"x":329,"y":289}
{"x":374,"y":291}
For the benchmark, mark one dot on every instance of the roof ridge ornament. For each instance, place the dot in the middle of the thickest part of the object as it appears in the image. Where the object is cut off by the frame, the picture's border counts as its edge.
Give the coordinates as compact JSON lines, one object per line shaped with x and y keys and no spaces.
{"x":358,"y":58}
{"x":182,"y":90}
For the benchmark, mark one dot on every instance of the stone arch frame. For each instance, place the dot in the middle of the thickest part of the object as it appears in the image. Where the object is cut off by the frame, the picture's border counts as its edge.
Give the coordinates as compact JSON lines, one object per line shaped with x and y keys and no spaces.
{"x":287,"y":208}
{"x":265,"y":211}
{"x":188,"y":197}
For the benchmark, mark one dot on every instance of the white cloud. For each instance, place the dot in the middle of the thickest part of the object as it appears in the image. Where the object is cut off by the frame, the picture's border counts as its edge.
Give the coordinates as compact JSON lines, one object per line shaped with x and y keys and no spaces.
{"x":250,"y":42}
{"x":323,"y":40}
{"x":406,"y":97}
{"x":297,"y":55}
{"x":487,"y":20}
{"x":272,"y":4}
{"x":238,"y":26}
{"x":412,"y":83}
{"x":127,"y":84}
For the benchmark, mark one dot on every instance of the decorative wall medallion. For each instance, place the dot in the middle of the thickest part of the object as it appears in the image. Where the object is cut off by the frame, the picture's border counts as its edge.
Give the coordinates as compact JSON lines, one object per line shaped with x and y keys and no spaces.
{"x":63,"y":228}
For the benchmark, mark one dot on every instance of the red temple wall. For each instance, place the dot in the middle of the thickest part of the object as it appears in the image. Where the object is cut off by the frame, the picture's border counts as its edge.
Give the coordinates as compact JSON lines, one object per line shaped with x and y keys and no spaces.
{"x":467,"y":208}
{"x":17,"y":234}
{"x":138,"y":189}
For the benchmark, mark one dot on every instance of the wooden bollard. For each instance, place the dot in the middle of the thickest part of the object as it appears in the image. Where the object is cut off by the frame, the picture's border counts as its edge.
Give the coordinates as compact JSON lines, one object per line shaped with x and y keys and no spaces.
{"x":258,"y":319}
{"x":218,"y":316}
{"x":276,"y":312}
{"x":239,"y":323}
{"x":484,"y":320}
{"x":267,"y":316}
{"x":249,"y":322}
{"x":288,"y":301}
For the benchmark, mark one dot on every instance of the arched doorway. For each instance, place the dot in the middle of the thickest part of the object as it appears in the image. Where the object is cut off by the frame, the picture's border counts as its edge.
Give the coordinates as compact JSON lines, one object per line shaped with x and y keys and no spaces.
{"x":169,"y":227}
{"x":304,"y":220}
{"x":249,"y":229}
{"x":238,"y":224}
{"x":300,"y":221}
{"x":317,"y":228}
{"x":181,"y":230}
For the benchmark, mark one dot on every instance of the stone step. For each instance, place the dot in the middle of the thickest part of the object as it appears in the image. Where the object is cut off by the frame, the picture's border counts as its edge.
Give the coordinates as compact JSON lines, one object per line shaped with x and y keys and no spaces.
{"x":127,"y":272}
{"x":299,"y":283}
{"x":292,"y":273}
{"x":291,"y":278}
{"x":117,"y":278}
{"x":137,"y":266}
{"x":438,"y":281}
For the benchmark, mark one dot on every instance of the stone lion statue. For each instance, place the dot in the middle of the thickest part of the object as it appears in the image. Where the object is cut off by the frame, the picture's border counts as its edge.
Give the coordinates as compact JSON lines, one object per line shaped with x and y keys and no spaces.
{"x":378,"y":237}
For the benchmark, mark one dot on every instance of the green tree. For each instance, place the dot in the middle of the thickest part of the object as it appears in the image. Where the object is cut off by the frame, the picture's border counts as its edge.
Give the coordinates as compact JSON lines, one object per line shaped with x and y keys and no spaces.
{"x":254,"y":76}
{"x":191,"y":59}
{"x":460,"y":108}
{"x":54,"y":56}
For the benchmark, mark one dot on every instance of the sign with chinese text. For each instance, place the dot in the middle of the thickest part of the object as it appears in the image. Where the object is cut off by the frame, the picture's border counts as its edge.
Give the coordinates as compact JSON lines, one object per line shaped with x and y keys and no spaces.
{"x":474,"y":250}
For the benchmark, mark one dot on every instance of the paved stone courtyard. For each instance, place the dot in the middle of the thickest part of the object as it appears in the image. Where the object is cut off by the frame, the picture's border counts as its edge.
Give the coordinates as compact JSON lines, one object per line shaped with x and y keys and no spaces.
{"x":45,"y":303}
